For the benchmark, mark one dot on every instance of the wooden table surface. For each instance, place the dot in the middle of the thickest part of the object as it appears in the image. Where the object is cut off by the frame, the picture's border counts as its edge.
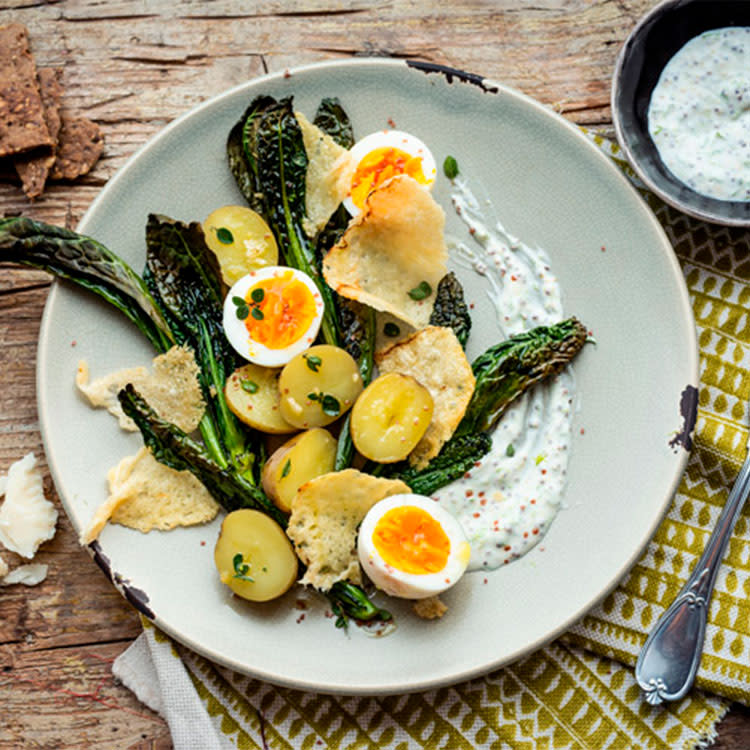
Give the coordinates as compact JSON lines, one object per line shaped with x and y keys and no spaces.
{"x":132,"y":66}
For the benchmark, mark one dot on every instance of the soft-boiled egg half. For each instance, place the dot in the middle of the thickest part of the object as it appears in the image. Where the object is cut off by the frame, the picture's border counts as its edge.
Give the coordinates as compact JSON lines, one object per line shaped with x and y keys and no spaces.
{"x":411,"y":547}
{"x":272,"y":314}
{"x":382,"y":155}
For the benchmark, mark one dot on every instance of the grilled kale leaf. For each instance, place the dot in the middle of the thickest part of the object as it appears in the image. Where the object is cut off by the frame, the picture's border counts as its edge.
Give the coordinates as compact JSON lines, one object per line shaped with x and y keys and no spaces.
{"x":511,"y":367}
{"x":89,"y":264}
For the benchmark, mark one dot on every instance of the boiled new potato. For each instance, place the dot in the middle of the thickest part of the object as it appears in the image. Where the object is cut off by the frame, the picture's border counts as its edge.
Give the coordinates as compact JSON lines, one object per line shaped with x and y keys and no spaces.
{"x":318,"y":386}
{"x":307,"y":455}
{"x":390,"y":417}
{"x":241,"y":241}
{"x":252,"y":393}
{"x":254,"y":557}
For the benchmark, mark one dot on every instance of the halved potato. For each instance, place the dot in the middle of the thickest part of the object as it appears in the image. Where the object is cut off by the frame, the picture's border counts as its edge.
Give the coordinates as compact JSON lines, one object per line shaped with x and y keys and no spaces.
{"x":252,"y":393}
{"x":390,"y":417}
{"x":241,"y":241}
{"x":254,"y":557}
{"x":305,"y":456}
{"x":318,"y":386}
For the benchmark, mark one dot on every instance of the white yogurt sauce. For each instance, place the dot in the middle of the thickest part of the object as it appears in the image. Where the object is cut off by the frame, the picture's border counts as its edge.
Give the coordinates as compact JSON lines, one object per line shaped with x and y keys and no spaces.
{"x":699,"y":114}
{"x":508,"y":500}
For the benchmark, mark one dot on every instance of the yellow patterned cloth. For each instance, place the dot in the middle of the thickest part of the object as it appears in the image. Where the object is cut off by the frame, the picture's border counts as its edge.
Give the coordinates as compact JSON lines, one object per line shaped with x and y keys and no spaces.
{"x":578,"y":692}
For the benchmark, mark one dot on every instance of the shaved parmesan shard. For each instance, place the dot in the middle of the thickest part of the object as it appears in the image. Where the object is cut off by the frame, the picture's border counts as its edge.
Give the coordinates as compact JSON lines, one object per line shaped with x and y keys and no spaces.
{"x":171,"y":388}
{"x":329,"y":175}
{"x":27,"y":518}
{"x":326,"y":513}
{"x":391,"y":250}
{"x":28,"y":575}
{"x":145,"y":495}
{"x":433,"y":356}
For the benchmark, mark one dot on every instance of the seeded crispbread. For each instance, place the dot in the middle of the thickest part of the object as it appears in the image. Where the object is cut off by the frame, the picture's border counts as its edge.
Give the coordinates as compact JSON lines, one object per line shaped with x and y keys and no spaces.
{"x":390,"y":249}
{"x":433,"y":356}
{"x":33,"y":168}
{"x":79,"y":147}
{"x":326,"y":513}
{"x":22,"y":125}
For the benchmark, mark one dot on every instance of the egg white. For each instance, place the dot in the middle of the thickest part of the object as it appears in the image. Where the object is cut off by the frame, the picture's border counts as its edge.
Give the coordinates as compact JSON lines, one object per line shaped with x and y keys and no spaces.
{"x":237,"y":333}
{"x":397,"y":582}
{"x":391,"y":139}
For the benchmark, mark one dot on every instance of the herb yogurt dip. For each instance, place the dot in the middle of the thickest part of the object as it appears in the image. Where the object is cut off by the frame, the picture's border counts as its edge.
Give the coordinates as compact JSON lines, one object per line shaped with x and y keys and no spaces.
{"x":699,"y":114}
{"x":507,"y":502}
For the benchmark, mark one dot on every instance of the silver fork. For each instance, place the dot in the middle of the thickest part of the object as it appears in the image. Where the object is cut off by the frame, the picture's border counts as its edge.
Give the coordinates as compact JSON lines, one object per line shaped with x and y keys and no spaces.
{"x":669,"y":660}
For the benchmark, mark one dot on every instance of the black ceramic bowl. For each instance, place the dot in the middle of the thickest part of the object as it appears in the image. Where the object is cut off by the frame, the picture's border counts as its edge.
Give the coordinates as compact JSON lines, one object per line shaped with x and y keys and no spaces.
{"x":656,"y":38}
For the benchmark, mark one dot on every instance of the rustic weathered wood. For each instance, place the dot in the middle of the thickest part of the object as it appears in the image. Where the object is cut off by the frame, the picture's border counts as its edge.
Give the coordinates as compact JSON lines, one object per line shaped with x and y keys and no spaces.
{"x":133,"y":66}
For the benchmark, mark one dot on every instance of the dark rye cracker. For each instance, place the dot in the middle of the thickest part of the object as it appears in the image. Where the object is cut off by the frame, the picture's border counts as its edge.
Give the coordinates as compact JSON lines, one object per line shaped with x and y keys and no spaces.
{"x":79,"y":147}
{"x":22,"y":125}
{"x":33,"y":169}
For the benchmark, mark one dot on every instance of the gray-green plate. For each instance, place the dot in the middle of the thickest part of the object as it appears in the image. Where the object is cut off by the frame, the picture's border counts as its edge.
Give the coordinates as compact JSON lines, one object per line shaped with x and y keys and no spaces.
{"x":550,"y":187}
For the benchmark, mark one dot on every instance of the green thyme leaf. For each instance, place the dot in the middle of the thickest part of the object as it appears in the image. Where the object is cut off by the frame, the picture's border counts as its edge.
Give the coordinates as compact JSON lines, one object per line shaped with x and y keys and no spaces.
{"x":510,"y":451}
{"x":450,"y":167}
{"x":257,"y":295}
{"x":287,"y":468}
{"x":224,"y":236}
{"x":312,"y":361}
{"x":257,"y":313}
{"x":249,"y":385}
{"x":421,"y":291}
{"x":391,"y":329}
{"x":331,"y":405}
{"x":241,"y":568}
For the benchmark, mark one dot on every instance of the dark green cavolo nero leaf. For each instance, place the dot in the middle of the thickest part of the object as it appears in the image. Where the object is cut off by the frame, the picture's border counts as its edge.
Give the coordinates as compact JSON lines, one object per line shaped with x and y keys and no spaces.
{"x":511,"y":367}
{"x":184,"y":277}
{"x":88,"y":263}
{"x":450,"y":309}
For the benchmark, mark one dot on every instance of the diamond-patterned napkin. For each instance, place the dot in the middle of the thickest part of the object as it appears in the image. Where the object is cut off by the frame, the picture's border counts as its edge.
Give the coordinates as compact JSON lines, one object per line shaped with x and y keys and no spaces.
{"x":579,"y":692}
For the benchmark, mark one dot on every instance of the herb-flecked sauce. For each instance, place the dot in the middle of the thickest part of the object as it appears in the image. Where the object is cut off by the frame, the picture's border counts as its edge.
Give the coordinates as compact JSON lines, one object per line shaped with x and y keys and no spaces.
{"x":507,"y":502}
{"x":699,"y":114}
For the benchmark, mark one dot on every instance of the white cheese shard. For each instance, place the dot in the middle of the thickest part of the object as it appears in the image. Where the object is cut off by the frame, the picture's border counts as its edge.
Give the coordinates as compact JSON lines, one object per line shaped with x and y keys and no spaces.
{"x":29,"y":575}
{"x":328,"y":178}
{"x":27,"y":518}
{"x":171,"y":389}
{"x":3,"y":568}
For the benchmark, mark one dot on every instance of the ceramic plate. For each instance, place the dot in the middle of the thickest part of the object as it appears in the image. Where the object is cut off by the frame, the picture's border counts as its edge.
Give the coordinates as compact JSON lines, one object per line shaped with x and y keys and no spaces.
{"x":550,"y":187}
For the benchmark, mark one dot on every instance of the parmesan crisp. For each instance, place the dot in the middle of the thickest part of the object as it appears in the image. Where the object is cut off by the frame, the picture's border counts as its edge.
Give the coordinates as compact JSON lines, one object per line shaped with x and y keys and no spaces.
{"x":145,"y":495}
{"x":433,"y":356}
{"x":391,"y":250}
{"x":172,"y":389}
{"x":326,"y":513}
{"x":328,"y":177}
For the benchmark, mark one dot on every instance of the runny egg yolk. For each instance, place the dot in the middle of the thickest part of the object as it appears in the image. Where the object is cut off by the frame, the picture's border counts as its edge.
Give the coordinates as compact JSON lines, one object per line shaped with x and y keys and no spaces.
{"x":381,"y":164}
{"x":281,"y":311}
{"x":411,"y":540}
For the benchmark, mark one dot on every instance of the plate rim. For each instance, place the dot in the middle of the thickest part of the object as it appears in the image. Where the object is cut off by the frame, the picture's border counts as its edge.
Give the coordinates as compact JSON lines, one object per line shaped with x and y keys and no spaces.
{"x":491,"y":87}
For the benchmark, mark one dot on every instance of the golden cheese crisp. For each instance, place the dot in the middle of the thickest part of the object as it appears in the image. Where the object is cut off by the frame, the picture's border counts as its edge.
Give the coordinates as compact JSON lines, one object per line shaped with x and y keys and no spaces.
{"x":171,"y":389}
{"x":329,"y":172}
{"x":431,"y":608}
{"x":434,"y":357}
{"x":145,"y":494}
{"x":326,"y":513}
{"x":393,"y":254}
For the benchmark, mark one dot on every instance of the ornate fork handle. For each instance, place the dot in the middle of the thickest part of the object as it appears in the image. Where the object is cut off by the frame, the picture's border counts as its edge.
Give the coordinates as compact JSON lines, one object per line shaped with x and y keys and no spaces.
{"x":669,"y":660}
